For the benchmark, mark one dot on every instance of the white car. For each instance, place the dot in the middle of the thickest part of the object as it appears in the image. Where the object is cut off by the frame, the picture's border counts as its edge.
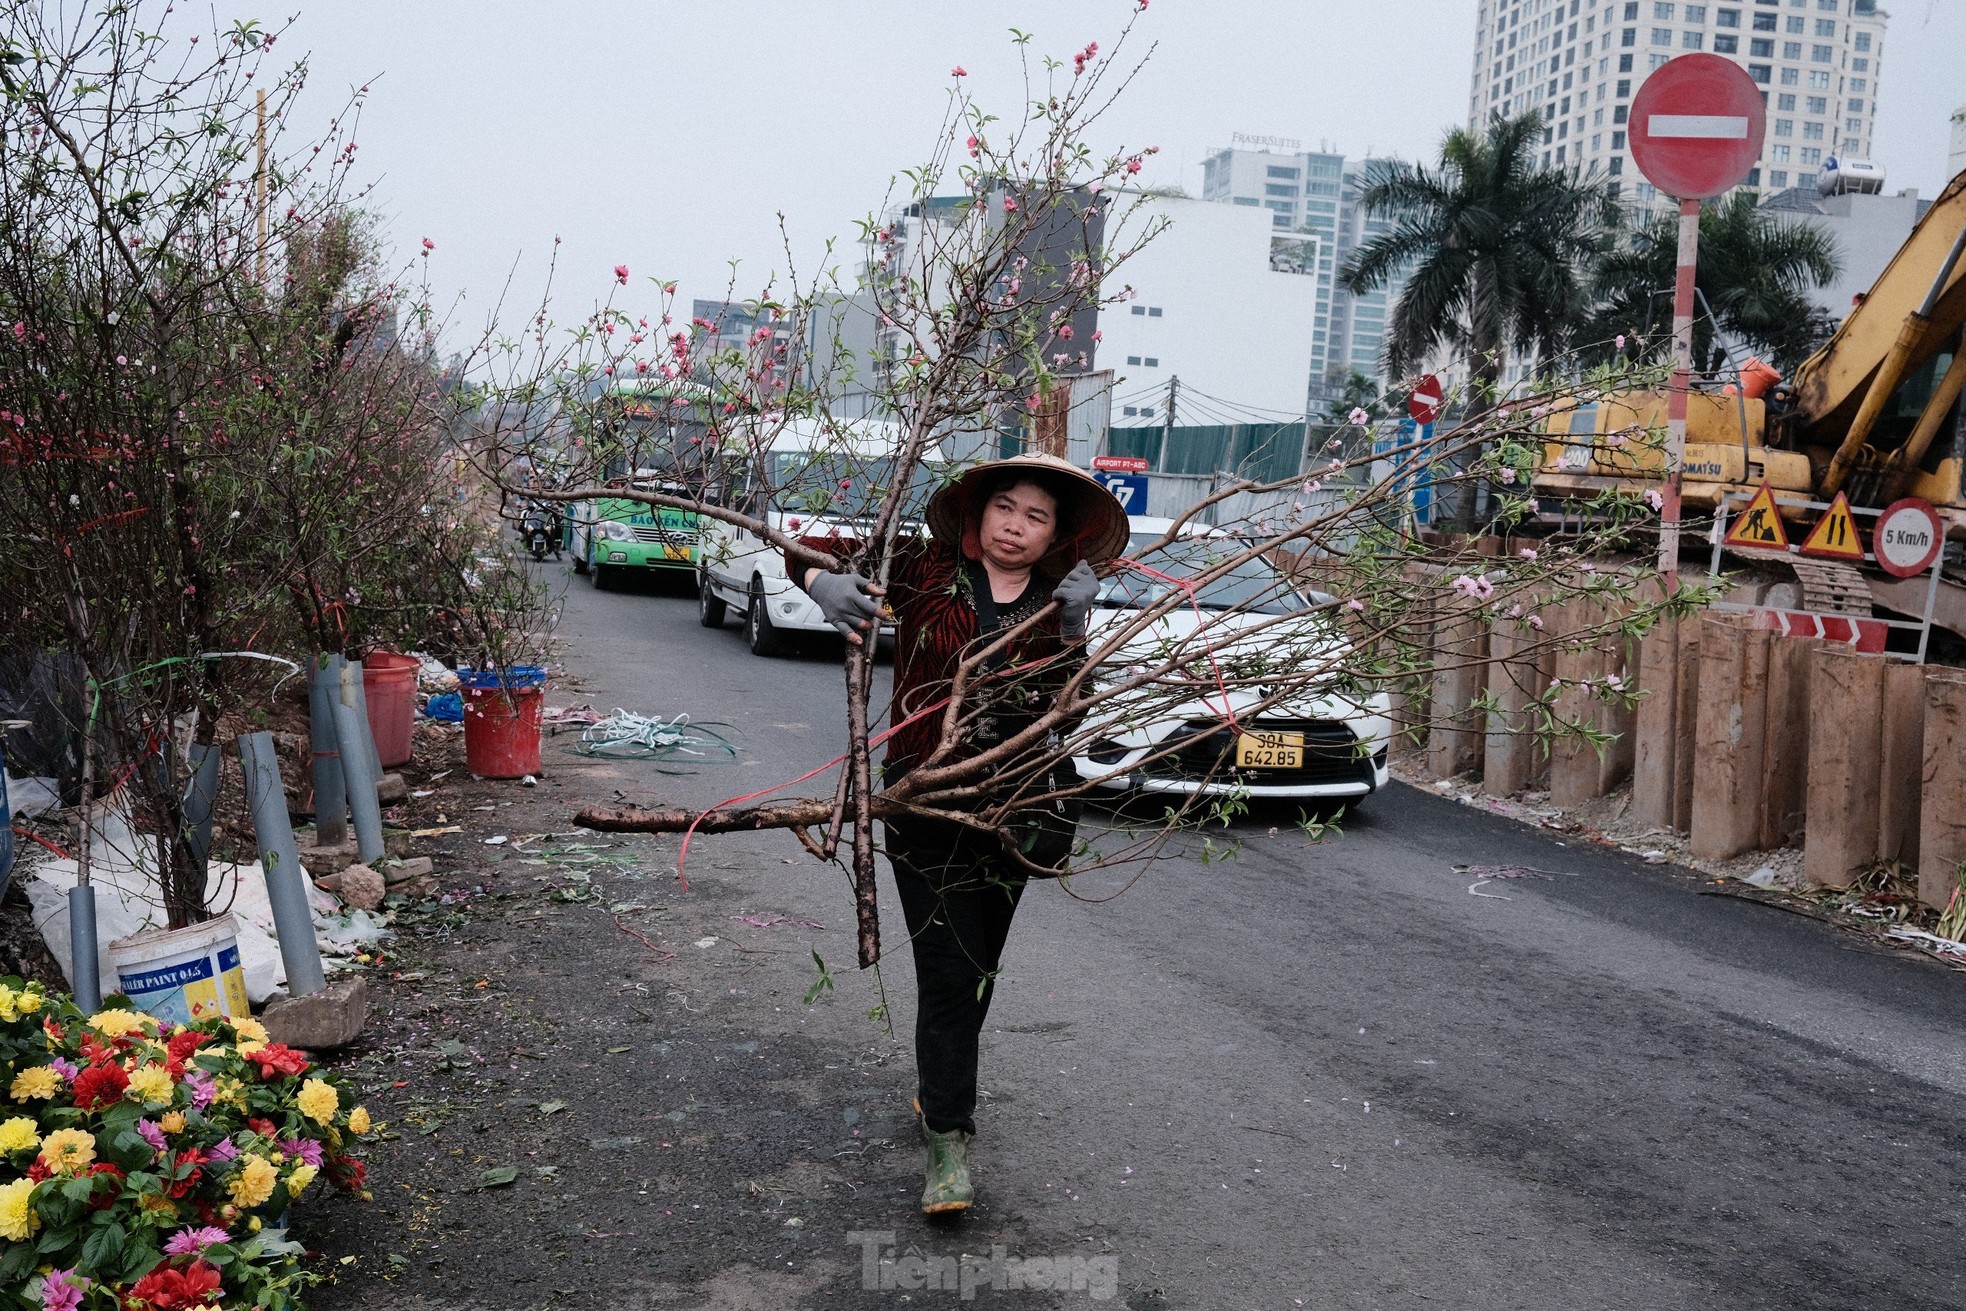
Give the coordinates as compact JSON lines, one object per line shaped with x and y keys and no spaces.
{"x":1315,"y":743}
{"x":815,"y":482}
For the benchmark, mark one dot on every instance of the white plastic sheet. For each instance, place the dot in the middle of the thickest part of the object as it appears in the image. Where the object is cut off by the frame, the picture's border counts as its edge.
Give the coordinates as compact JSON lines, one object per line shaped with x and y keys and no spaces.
{"x":129,"y":900}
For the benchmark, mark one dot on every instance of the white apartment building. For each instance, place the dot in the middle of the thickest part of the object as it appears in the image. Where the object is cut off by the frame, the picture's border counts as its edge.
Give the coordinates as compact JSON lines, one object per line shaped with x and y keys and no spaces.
{"x":1316,"y":221}
{"x":1579,"y":62}
{"x":1210,"y":309}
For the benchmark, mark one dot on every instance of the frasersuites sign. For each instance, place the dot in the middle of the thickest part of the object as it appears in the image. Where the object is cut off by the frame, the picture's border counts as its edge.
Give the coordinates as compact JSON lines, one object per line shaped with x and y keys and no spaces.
{"x":1697,"y":126}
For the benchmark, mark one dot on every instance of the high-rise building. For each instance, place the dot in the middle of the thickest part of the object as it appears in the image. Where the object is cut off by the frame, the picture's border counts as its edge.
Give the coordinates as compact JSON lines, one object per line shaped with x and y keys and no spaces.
{"x":1316,"y":221}
{"x":1578,"y":62}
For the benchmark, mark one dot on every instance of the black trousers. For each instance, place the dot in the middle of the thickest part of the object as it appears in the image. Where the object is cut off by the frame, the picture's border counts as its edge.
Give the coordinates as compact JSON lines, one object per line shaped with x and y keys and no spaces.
{"x":959,"y":892}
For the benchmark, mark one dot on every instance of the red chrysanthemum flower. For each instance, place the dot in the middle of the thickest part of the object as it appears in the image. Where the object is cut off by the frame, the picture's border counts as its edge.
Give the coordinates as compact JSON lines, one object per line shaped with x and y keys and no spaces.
{"x":165,"y":1289}
{"x":346,"y":1173}
{"x":108,"y":1195}
{"x":100,"y":1086}
{"x":180,"y":1047}
{"x":276,"y":1059}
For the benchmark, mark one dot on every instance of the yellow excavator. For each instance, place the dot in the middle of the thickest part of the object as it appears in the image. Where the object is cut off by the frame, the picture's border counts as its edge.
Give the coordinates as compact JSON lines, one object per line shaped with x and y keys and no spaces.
{"x":1873,"y":414}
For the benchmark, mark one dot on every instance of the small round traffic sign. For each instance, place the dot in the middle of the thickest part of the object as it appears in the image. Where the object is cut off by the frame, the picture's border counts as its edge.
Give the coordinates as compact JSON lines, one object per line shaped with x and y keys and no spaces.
{"x":1909,"y":537}
{"x":1697,"y":126}
{"x":1424,"y":403}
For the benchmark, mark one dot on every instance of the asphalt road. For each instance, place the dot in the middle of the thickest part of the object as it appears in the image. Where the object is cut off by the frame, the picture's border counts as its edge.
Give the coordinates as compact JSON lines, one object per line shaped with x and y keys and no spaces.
{"x":1341,"y":1075}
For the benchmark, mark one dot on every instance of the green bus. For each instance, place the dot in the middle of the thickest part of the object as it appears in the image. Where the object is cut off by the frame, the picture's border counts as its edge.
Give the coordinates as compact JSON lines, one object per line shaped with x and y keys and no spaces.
{"x":651,"y":436}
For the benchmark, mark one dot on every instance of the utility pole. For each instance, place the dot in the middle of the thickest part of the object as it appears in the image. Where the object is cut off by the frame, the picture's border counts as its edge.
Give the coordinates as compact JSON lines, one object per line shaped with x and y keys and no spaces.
{"x":259,"y":188}
{"x":1167,"y":423}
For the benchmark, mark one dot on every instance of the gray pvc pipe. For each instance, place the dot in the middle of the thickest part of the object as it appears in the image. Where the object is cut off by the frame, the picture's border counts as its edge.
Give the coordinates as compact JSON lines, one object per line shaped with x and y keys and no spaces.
{"x":368,"y":734}
{"x":286,"y":882}
{"x":357,"y":772}
{"x":330,"y":788}
{"x":85,"y":973}
{"x":199,"y":798}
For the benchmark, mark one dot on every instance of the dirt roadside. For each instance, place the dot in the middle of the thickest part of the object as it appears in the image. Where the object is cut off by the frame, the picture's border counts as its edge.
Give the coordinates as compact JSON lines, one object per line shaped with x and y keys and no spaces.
{"x":601,"y":1090}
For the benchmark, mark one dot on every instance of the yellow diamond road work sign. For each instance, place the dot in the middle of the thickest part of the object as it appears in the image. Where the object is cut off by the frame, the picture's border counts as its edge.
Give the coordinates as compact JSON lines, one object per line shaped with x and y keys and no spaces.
{"x":1835,"y":535}
{"x":1760,"y":524}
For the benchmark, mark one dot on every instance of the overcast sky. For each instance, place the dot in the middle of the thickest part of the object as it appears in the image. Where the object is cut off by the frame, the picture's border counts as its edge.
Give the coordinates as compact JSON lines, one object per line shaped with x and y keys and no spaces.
{"x":669,"y":134}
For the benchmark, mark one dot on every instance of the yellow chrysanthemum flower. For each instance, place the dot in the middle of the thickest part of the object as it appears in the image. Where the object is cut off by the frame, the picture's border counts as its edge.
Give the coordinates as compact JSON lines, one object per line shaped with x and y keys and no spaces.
{"x":27,"y":1002}
{"x":358,"y":1120}
{"x":116,"y":1023}
{"x":248,"y":1027}
{"x":18,"y":1134}
{"x":68,"y":1151}
{"x":231,"y":1091}
{"x":247,"y":1046}
{"x":171,"y":1122}
{"x":18,"y":1220}
{"x":157,"y":1206}
{"x":42,"y":1081}
{"x":302,"y":1176}
{"x":254,"y":1182}
{"x":150,"y":1084}
{"x":8,"y":1000}
{"x":318,"y":1100}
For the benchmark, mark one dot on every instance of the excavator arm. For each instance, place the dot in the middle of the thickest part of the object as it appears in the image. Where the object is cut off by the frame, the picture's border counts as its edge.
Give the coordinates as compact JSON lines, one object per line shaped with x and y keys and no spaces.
{"x":1913,"y":312}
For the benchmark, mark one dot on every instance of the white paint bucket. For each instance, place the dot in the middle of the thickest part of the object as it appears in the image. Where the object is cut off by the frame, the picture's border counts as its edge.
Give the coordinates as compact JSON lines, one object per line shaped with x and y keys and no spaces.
{"x":181,"y":975}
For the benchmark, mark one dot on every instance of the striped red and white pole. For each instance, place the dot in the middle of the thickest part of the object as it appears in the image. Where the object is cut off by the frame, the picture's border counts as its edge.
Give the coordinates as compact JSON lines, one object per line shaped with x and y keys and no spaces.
{"x":1682,"y":381}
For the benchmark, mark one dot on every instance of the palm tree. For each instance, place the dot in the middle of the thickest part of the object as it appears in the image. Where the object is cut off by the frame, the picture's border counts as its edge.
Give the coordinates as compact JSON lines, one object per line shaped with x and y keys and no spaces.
{"x":1500,"y":250}
{"x":1756,"y":271}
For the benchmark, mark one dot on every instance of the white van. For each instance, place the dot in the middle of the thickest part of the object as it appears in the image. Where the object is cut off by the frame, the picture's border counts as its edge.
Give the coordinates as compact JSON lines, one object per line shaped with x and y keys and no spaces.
{"x":816,"y":479}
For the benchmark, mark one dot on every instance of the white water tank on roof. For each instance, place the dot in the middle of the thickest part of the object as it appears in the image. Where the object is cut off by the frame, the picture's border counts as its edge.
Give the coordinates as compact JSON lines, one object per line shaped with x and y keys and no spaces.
{"x":1839,"y":177}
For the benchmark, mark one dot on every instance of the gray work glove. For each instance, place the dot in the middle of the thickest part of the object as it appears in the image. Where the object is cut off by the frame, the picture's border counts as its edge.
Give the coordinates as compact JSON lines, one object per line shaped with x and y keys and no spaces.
{"x":1075,"y":594}
{"x":846,"y":602}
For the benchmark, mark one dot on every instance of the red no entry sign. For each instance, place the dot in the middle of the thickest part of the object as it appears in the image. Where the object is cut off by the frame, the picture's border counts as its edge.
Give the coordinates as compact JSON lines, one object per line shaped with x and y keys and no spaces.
{"x":1424,"y":403}
{"x":1697,"y":126}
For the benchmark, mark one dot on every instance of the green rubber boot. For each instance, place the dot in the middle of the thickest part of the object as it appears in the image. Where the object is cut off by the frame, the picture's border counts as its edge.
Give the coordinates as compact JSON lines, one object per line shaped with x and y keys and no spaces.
{"x":948,"y":1187}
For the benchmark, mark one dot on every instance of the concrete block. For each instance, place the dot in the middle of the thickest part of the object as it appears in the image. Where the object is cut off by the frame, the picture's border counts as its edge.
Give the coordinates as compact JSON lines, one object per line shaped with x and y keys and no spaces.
{"x":1655,"y":731}
{"x":1729,"y":737}
{"x":1901,"y":764}
{"x":1573,"y":761}
{"x":403,"y":871}
{"x":390,"y":789}
{"x":1581,"y":770}
{"x":1942,"y":814}
{"x":1460,"y":668}
{"x":1846,"y":705}
{"x":1785,"y":754}
{"x":1513,"y":755}
{"x":331,"y":1017}
{"x":321,"y":861}
{"x":1686,"y":723}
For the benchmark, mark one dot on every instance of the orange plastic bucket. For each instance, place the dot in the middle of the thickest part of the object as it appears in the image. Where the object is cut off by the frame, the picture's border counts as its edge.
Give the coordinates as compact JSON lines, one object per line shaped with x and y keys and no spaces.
{"x":389,"y":684}
{"x":502,"y":719}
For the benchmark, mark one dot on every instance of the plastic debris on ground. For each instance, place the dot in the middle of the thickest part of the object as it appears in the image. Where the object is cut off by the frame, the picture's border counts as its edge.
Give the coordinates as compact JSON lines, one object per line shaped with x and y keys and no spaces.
{"x":676,"y":744}
{"x":447,"y":707}
{"x":129,"y":900}
{"x":27,"y":797}
{"x":433,"y":675}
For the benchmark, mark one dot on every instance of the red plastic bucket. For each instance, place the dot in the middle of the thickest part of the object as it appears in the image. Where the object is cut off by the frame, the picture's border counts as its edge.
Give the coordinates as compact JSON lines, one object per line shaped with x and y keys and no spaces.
{"x":389,"y":684}
{"x":502,"y":721}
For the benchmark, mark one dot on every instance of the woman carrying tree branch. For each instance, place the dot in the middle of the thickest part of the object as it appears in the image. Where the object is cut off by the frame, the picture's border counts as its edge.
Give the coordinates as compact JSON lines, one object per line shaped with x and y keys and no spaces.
{"x":1010,"y":539}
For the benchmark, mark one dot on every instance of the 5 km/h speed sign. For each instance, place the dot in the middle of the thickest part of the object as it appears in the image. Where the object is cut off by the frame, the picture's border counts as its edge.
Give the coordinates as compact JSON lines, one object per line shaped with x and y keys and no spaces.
{"x":1696,"y":126}
{"x":1909,"y":537}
